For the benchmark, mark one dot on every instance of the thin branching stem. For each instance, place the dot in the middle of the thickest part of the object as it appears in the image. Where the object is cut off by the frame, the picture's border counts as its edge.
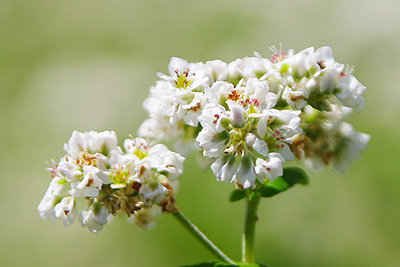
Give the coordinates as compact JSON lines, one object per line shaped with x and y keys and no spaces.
{"x":201,"y":237}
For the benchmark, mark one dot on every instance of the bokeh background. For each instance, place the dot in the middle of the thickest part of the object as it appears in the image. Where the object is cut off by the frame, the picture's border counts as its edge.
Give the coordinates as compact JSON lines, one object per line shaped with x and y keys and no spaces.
{"x":87,"y":65}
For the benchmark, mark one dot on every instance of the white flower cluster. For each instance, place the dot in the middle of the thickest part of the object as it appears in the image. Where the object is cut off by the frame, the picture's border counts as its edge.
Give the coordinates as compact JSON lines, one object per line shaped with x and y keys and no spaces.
{"x":251,"y":115}
{"x":138,"y":180}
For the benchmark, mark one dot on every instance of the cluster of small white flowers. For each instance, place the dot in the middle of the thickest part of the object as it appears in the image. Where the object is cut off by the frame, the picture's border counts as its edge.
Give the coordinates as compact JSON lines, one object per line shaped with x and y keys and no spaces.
{"x":139,"y":180}
{"x":251,"y":115}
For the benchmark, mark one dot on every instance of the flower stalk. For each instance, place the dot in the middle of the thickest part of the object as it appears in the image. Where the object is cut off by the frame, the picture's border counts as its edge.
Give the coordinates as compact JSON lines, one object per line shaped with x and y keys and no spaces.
{"x":250,"y":219}
{"x":201,"y":237}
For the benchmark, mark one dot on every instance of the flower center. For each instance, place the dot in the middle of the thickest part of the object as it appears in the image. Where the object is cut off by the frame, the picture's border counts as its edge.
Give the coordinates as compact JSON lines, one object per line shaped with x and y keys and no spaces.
{"x":120,"y":174}
{"x":235,"y":95}
{"x":182,"y":80}
{"x":277,"y":57}
{"x":86,"y":159}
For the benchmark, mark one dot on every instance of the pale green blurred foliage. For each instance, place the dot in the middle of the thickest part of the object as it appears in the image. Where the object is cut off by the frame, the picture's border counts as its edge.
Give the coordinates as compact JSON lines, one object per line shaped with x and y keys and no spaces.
{"x":87,"y":65}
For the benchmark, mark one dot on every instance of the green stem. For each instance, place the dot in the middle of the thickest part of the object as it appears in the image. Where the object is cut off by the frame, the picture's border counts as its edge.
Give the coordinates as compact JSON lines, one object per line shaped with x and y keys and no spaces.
{"x":250,"y":220}
{"x":201,"y":237}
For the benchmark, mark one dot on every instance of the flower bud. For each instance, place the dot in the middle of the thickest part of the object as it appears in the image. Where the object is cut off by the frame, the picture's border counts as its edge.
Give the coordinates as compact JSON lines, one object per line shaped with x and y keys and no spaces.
{"x":237,"y":117}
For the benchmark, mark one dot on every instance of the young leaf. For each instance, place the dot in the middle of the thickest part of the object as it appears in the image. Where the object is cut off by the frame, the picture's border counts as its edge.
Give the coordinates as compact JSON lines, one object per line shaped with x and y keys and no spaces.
{"x":237,"y":195}
{"x":290,"y":177}
{"x":294,"y":175}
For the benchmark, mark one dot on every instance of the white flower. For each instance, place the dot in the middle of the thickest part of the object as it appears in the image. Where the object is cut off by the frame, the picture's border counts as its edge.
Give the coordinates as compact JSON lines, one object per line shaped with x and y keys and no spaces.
{"x":90,"y":185}
{"x":122,"y":168}
{"x":166,"y":162}
{"x":189,"y":111}
{"x":296,"y":98}
{"x":66,"y":210}
{"x":137,"y":147}
{"x":145,"y":218}
{"x":236,"y":114}
{"x":52,"y":196}
{"x":285,"y":125}
{"x":159,"y":128}
{"x":69,"y":169}
{"x":46,"y":208}
{"x":349,"y":91}
{"x":152,"y":193}
{"x":91,"y":142}
{"x":349,"y":150}
{"x":270,"y":168}
{"x":257,"y":144}
{"x":185,"y":75}
{"x":218,"y":69}
{"x":94,"y":218}
{"x":213,"y":143}
{"x":212,"y":117}
{"x":224,"y":168}
{"x":245,"y":173}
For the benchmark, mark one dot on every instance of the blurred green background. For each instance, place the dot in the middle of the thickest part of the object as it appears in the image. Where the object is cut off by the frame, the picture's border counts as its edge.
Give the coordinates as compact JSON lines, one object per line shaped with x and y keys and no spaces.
{"x":87,"y":65}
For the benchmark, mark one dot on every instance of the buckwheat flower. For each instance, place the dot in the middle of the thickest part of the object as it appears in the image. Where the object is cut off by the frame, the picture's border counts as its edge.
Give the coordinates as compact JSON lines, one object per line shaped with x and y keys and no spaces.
{"x":90,"y":184}
{"x":152,"y":193}
{"x":185,"y":75}
{"x":218,"y":70}
{"x":50,"y":199}
{"x":159,"y":128}
{"x":256,"y":67}
{"x":94,"y":218}
{"x":213,"y":143}
{"x":235,"y":70}
{"x":91,"y":142}
{"x":68,"y":168}
{"x":245,"y":175}
{"x":296,"y":98}
{"x":353,"y":143}
{"x":184,"y":91}
{"x":145,"y":218}
{"x":66,"y":210}
{"x":89,"y":151}
{"x":285,"y":124}
{"x":213,"y":117}
{"x":224,"y":168}
{"x":166,"y":162}
{"x":349,"y":91}
{"x":270,"y":168}
{"x":122,"y":169}
{"x":189,"y":111}
{"x":236,"y":116}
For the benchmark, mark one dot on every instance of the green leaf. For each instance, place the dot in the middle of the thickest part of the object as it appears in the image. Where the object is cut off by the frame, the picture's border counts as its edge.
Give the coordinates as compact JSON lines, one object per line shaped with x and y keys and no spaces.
{"x":290,"y":177}
{"x":295,"y":175}
{"x":223,"y":264}
{"x":237,"y":195}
